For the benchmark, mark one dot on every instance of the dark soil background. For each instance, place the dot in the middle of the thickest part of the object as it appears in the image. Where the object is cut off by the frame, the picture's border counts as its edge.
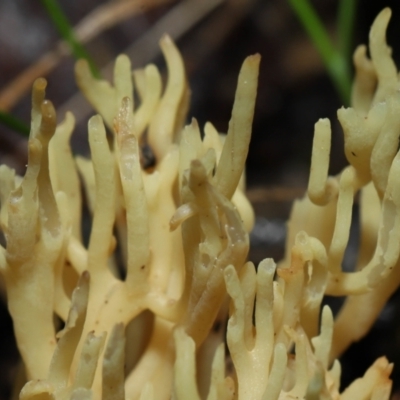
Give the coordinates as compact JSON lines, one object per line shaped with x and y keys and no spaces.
{"x":294,"y":92}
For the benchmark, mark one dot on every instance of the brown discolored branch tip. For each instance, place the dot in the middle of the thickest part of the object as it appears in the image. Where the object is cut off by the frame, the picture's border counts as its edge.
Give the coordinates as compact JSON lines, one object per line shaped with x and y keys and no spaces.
{"x":49,"y":122}
{"x":40,"y":84}
{"x":85,"y":277}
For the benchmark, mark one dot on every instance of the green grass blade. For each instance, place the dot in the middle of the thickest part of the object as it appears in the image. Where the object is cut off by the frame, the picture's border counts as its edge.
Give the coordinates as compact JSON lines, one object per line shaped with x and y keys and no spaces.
{"x":334,"y":61}
{"x":14,"y":123}
{"x":67,"y":33}
{"x":345,"y":25}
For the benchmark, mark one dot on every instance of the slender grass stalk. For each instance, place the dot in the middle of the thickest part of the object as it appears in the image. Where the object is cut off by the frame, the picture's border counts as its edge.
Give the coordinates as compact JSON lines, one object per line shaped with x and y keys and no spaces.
{"x":345,"y":23}
{"x":67,"y":33}
{"x":334,"y":60}
{"x":14,"y":123}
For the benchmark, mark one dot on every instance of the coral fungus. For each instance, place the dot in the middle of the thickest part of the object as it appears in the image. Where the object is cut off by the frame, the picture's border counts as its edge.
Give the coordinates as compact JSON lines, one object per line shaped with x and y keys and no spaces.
{"x":180,"y":229}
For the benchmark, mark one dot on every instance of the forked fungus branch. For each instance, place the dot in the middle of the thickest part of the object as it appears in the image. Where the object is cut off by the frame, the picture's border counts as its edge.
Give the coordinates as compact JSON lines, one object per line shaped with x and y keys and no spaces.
{"x":181,"y":228}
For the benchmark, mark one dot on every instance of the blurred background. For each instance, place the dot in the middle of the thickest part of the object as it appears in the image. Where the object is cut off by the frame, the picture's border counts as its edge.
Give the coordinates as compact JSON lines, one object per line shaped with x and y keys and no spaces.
{"x":214,"y":37}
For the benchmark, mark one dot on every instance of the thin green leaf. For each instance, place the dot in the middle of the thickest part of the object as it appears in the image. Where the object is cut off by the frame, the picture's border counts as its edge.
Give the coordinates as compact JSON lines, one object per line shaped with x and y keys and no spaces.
{"x":334,"y":61}
{"x":345,"y":24}
{"x":67,"y":33}
{"x":14,"y":123}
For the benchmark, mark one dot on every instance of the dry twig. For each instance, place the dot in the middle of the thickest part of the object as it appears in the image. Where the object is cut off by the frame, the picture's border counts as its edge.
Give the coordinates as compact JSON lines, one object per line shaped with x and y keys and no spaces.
{"x":100,"y":19}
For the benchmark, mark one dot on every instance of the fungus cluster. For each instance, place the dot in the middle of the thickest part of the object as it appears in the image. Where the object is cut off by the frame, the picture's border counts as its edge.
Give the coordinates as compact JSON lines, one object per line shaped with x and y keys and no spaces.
{"x":143,"y":307}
